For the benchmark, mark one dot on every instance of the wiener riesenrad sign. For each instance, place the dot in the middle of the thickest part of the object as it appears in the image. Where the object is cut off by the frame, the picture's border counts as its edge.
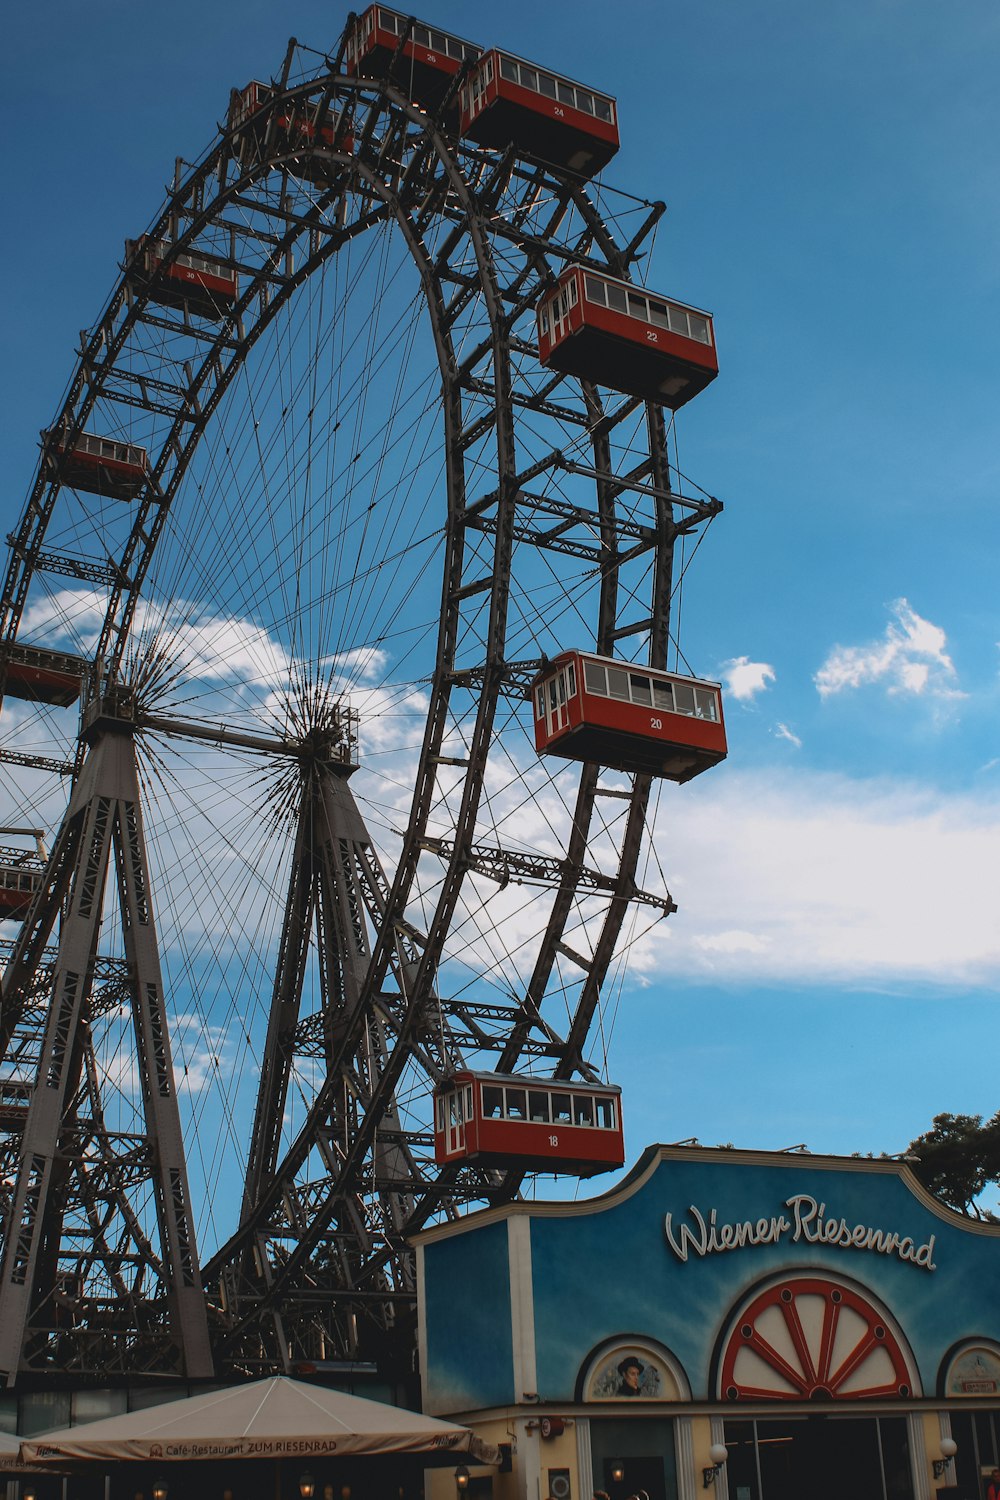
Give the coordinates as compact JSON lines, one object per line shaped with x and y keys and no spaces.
{"x":806,"y":1221}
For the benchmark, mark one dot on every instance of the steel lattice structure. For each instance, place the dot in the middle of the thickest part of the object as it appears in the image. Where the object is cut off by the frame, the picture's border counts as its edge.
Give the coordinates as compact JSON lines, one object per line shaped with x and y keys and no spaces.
{"x":555,"y":513}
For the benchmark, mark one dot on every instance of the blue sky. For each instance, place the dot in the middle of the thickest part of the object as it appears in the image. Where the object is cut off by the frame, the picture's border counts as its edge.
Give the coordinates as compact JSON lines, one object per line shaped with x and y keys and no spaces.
{"x":832,"y":197}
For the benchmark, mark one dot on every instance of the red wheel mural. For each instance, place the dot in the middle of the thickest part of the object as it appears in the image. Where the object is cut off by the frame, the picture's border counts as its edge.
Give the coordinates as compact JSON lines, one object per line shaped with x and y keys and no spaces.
{"x":808,"y":1338}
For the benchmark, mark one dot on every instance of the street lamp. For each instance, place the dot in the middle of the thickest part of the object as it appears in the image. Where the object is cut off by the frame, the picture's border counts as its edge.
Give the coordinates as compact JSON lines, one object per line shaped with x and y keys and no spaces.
{"x":718,"y":1453}
{"x":948,"y":1450}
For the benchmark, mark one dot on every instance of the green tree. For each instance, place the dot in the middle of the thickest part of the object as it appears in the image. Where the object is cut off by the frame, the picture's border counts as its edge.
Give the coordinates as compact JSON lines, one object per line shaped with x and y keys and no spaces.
{"x":957,"y":1160}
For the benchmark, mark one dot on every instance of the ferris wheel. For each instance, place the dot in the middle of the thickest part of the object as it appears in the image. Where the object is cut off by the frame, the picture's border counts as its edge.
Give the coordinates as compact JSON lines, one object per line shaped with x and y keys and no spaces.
{"x":360,"y":482}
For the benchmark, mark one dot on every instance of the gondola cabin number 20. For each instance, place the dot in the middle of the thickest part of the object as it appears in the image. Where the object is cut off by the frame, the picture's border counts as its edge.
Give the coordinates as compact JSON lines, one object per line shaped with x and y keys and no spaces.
{"x":628,"y":717}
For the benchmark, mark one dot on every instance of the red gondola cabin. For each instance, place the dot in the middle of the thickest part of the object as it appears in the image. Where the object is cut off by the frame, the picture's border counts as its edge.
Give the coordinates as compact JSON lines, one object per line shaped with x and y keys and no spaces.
{"x":618,"y":335}
{"x":197,"y":282}
{"x":626,"y":717}
{"x":496,"y":1120}
{"x":19,"y":880}
{"x":102,"y":466}
{"x":295,"y":126}
{"x":21,"y":872}
{"x":429,"y":58}
{"x":41,"y":676}
{"x":509,"y":101}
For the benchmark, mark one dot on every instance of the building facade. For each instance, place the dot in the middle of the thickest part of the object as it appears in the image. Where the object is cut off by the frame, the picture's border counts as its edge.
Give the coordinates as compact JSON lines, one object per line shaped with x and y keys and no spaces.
{"x":822,"y":1322}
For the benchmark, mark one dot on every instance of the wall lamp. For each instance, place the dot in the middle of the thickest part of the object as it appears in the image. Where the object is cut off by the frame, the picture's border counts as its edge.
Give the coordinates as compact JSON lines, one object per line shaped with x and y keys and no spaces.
{"x":461,"y":1479}
{"x":718,"y":1453}
{"x":948,"y":1450}
{"x":617,"y":1470}
{"x":307,"y":1486}
{"x":159,"y":1488}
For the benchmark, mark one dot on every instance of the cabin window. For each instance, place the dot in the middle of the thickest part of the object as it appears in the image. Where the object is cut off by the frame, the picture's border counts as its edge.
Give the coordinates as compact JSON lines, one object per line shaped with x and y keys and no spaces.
{"x":562,"y":1114}
{"x":704,"y":704}
{"x":540,"y":703}
{"x":516,"y":1104}
{"x":492,"y":1102}
{"x":658,"y":315}
{"x":546,"y":86}
{"x":641,"y":692}
{"x":603,"y":109}
{"x":538,"y":1107}
{"x":454,"y":1109}
{"x":699,"y":328}
{"x":440,"y":1113}
{"x":683,"y":698}
{"x":618,"y":684}
{"x":571,"y":681}
{"x":594,"y":678}
{"x":638,"y":307}
{"x":678,"y":321}
{"x":389,"y":22}
{"x":508,"y":69}
{"x":596,"y":291}
{"x":663,"y":696}
{"x":567,"y":94}
{"x":529,"y":78}
{"x":605,"y":1114}
{"x":583,"y":1109}
{"x":616,"y":297}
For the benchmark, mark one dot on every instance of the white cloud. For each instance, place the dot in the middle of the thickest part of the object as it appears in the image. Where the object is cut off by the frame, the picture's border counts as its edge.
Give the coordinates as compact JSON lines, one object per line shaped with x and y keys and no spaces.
{"x":746,"y":678}
{"x":910,"y":658}
{"x":733,"y":941}
{"x":782,"y":732}
{"x":820,"y":879}
{"x":203,"y":647}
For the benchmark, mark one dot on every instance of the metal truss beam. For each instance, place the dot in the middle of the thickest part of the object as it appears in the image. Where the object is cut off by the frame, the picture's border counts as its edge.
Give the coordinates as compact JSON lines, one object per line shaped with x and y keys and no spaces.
{"x":507,"y":865}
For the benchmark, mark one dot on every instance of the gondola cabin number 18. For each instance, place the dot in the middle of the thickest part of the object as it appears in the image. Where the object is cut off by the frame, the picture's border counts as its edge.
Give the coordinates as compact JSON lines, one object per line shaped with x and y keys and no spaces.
{"x":539,"y":1124}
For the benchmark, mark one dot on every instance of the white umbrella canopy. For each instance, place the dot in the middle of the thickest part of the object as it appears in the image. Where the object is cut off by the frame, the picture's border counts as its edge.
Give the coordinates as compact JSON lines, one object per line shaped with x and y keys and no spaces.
{"x":11,"y":1461}
{"x":10,"y":1448}
{"x":276,"y":1418}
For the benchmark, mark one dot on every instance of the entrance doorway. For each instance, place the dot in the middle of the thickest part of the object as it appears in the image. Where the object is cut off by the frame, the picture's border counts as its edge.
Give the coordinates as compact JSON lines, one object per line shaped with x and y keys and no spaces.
{"x":640,"y":1450}
{"x":824,"y":1457}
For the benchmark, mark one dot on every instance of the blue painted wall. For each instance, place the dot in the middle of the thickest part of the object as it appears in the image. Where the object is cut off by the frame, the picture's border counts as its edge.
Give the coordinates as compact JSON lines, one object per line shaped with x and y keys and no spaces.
{"x":470,"y":1361}
{"x":609,"y":1271}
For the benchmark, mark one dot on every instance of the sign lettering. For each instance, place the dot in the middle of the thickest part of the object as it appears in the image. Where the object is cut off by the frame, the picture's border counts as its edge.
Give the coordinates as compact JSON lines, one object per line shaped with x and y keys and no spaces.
{"x":806,"y":1221}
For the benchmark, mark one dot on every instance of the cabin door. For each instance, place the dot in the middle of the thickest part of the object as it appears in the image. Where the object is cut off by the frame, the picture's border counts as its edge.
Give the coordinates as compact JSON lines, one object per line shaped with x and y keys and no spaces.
{"x":556,"y":712}
{"x":456,"y":1122}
